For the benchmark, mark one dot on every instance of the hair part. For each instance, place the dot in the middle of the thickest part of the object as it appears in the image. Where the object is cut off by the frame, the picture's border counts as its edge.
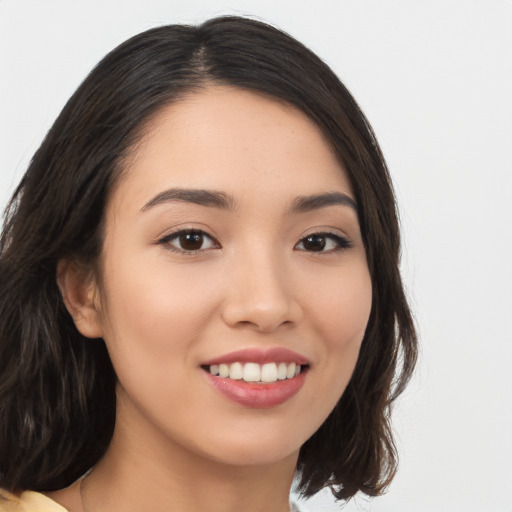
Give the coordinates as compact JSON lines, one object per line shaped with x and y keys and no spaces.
{"x":57,"y":388}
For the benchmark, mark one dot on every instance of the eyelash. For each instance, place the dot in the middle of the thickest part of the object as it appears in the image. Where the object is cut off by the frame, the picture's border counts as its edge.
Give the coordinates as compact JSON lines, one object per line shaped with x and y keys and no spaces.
{"x":341,"y":243}
{"x":166,"y":240}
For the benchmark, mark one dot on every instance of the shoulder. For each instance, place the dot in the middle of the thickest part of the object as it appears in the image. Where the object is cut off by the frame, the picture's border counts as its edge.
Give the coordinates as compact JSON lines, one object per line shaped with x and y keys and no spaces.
{"x":27,"y":501}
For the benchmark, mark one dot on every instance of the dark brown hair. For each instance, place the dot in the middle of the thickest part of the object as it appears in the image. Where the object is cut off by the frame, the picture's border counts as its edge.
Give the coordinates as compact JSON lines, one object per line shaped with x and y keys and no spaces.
{"x":57,"y":389}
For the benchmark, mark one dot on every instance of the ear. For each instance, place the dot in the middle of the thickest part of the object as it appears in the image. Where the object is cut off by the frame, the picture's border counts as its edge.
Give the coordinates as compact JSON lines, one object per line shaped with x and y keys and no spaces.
{"x":81,"y":297}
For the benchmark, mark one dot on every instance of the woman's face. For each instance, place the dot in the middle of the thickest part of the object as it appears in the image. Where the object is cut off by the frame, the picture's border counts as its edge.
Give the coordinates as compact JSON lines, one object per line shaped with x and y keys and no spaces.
{"x":232,"y":251}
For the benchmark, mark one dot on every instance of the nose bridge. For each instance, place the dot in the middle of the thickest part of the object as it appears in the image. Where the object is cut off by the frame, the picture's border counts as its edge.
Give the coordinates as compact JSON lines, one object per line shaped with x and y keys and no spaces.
{"x":261,"y":290}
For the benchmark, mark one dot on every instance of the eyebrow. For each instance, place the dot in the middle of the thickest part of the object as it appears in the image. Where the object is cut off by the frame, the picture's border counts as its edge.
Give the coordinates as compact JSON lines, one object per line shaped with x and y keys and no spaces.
{"x":305,"y":204}
{"x":209,"y":198}
{"x":215,"y":199}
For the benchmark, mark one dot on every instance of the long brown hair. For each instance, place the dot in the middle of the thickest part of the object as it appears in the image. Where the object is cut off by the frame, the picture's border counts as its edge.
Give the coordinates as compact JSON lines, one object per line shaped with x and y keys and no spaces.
{"x":57,"y":389}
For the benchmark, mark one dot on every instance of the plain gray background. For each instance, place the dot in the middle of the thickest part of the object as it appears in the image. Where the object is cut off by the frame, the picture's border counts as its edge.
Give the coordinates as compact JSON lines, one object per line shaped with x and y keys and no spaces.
{"x":435,"y":80}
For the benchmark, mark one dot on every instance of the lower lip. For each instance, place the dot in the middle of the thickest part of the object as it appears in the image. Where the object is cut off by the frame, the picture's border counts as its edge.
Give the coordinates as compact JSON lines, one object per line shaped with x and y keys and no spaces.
{"x":259,"y":396}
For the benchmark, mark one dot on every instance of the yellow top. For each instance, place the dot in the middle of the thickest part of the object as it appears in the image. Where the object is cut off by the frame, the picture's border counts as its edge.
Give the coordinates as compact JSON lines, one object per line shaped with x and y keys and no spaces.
{"x":28,"y":501}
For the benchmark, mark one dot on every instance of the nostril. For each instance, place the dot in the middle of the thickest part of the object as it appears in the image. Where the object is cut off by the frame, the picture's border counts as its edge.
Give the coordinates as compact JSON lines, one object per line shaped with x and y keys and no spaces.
{"x":265,"y":309}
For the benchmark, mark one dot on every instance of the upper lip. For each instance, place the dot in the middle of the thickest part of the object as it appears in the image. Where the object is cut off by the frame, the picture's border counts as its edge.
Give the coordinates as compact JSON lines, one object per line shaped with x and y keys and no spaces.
{"x":260,"y":356}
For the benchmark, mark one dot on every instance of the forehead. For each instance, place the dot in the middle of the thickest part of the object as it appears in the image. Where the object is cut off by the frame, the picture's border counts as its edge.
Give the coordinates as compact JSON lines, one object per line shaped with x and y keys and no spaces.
{"x":232,"y":140}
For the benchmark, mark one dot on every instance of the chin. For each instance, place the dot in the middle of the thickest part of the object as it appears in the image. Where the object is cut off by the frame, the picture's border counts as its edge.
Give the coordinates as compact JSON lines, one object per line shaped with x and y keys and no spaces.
{"x":257,"y":455}
{"x":255,"y":447}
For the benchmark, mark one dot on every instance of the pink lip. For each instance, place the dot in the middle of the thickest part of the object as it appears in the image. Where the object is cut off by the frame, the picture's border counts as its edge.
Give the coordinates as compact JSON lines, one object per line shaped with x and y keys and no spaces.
{"x":260,"y":356}
{"x":257,"y":395}
{"x":261,"y":395}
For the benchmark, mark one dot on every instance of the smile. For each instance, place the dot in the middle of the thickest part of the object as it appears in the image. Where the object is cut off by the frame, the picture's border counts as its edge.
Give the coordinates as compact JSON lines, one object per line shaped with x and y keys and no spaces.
{"x":257,"y":378}
{"x":254,"y":372}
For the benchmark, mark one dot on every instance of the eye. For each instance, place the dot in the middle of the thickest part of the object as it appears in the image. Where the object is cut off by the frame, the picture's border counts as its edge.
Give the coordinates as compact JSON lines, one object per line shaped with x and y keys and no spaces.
{"x":189,"y":241}
{"x":323,"y":242}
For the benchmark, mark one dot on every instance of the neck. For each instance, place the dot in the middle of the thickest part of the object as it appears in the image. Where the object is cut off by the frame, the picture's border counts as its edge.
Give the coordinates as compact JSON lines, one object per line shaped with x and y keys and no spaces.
{"x":141,"y":483}
{"x":152,"y":473}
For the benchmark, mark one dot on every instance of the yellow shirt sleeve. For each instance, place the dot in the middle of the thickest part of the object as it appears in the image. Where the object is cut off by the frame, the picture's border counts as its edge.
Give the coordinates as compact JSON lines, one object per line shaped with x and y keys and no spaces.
{"x":28,"y":501}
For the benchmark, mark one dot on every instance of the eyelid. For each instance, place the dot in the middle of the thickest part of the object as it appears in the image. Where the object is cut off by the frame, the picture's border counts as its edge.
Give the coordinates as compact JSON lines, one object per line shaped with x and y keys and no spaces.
{"x":166,"y":239}
{"x":342,"y":241}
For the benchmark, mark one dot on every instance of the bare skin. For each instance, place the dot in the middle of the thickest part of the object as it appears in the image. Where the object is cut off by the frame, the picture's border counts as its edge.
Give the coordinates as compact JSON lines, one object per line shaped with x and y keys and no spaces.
{"x":277,"y":262}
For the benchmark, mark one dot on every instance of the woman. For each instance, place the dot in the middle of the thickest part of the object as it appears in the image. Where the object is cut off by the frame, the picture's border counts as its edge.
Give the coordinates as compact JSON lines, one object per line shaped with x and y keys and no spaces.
{"x":200,"y":295}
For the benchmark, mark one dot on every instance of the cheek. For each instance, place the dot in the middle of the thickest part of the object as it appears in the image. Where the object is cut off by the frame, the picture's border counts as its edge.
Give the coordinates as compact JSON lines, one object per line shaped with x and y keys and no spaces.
{"x":154,"y":319}
{"x":343,"y":308}
{"x":153,"y":316}
{"x":339,"y":315}
{"x":343,"y":312}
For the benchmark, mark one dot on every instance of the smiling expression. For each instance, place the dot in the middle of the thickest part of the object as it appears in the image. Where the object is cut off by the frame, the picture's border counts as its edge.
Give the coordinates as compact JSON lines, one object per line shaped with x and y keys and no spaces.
{"x":235,"y":290}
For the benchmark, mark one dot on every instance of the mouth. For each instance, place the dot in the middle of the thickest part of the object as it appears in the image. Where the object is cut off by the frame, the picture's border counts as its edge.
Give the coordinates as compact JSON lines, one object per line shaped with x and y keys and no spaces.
{"x":257,"y":378}
{"x":266,"y":373}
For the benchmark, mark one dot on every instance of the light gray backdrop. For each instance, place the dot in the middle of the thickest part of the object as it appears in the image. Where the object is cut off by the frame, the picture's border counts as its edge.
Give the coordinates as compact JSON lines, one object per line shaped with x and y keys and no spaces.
{"x":435,"y":79}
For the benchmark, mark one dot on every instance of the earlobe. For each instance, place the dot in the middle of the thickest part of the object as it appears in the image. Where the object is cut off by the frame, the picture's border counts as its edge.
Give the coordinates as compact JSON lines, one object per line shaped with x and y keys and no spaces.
{"x":81,"y":297}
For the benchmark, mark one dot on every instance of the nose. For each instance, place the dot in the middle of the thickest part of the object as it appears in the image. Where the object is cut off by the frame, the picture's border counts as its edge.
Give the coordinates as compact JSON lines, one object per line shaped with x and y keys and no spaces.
{"x":261,"y":295}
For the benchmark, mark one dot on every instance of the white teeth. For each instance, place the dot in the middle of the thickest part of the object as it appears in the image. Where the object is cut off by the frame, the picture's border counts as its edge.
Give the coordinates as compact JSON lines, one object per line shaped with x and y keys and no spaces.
{"x":290,"y":370}
{"x":236,"y":371}
{"x":269,"y":372}
{"x":223,"y":370}
{"x":253,"y":372}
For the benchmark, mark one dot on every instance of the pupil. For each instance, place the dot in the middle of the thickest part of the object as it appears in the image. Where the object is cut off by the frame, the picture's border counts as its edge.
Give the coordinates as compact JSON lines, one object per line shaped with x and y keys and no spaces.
{"x":314,"y":243}
{"x":191,"y":241}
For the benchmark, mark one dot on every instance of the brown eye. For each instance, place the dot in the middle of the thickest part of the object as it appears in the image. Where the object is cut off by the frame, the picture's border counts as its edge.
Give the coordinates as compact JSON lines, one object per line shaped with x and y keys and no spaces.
{"x":314,"y":243}
{"x":323,"y":242}
{"x":189,"y":241}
